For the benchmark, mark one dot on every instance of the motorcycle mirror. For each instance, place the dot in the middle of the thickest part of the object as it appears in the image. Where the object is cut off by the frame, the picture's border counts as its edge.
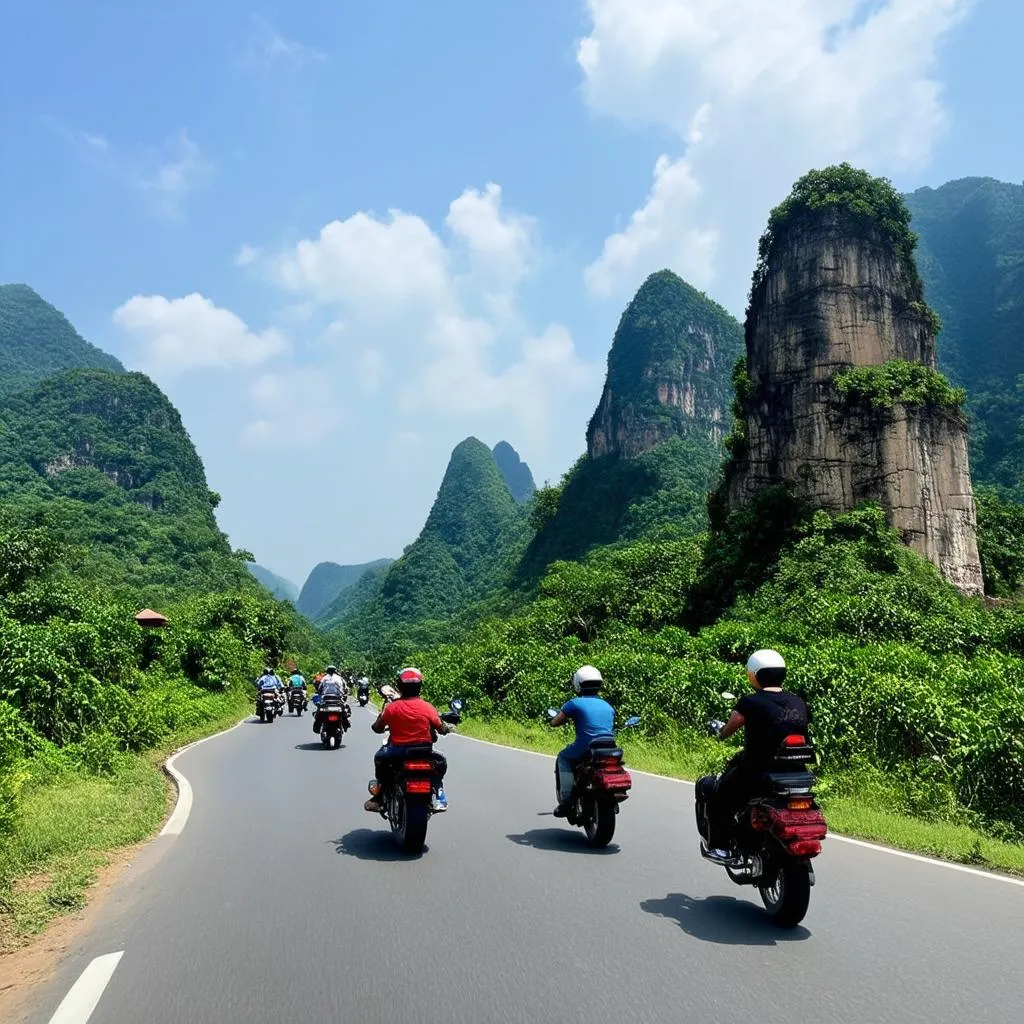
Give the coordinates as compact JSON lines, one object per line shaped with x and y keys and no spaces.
{"x":728,"y":696}
{"x":550,"y":713}
{"x":632,"y":722}
{"x":455,"y":705}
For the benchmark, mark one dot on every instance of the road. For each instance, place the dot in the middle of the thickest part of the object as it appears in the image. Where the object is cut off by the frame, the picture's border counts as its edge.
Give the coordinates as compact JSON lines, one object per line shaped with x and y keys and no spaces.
{"x":283,"y":900}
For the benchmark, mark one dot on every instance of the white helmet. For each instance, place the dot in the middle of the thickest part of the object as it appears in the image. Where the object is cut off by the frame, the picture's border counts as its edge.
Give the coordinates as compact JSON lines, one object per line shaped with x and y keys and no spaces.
{"x":587,"y":679}
{"x":767,"y":659}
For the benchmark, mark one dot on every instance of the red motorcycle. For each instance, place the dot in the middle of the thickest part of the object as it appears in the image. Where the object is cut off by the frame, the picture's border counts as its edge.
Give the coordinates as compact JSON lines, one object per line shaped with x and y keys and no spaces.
{"x":777,"y":834}
{"x":601,"y":784}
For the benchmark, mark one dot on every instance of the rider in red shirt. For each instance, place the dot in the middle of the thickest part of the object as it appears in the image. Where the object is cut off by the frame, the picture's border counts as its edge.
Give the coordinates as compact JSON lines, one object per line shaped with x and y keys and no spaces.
{"x":413,"y":722}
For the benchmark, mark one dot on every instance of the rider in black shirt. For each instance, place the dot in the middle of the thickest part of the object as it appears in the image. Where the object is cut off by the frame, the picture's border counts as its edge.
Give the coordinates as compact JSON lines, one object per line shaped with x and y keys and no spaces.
{"x":767,"y":716}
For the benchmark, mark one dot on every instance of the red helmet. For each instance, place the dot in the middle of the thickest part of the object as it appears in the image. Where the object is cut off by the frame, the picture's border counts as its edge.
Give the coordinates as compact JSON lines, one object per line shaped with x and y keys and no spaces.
{"x":409,"y":682}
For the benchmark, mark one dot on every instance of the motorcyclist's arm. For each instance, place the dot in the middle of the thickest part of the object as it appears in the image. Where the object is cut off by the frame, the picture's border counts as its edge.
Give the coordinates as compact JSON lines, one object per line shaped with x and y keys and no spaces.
{"x":560,"y":719}
{"x":735,"y":723}
{"x":380,"y":725}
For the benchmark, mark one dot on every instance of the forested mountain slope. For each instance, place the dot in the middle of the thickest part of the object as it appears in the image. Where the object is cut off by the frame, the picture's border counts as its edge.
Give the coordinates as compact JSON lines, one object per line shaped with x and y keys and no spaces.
{"x":36,"y":341}
{"x":971,"y":257}
{"x":279,"y":587}
{"x":326,"y":582}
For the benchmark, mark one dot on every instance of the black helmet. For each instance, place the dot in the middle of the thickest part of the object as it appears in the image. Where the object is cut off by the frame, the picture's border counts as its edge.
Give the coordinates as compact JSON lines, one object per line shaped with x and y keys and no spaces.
{"x":409,"y":682}
{"x":331,"y":669}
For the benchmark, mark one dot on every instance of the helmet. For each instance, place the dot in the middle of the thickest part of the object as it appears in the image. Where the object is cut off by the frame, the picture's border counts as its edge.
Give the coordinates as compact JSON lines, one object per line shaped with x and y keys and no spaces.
{"x":587,"y":680}
{"x":409,"y":682}
{"x":767,"y":667}
{"x":331,"y":669}
{"x":268,"y":671}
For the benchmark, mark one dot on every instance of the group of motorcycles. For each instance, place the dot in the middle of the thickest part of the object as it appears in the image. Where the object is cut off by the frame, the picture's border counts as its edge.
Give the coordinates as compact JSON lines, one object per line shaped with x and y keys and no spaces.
{"x":777,"y":834}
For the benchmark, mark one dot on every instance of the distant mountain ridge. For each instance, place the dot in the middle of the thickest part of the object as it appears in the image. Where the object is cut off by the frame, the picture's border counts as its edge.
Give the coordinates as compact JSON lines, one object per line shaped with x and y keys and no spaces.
{"x":514,"y":471}
{"x":37,"y":341}
{"x":326,"y":582}
{"x":282,"y":589}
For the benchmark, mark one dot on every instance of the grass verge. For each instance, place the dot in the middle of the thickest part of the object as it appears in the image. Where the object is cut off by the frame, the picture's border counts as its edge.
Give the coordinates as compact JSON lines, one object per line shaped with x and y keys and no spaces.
{"x":684,"y":756}
{"x":70,"y":824}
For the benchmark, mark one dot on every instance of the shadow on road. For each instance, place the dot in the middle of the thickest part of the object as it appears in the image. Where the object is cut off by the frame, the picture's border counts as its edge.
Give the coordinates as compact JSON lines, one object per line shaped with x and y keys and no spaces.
{"x":371,"y":844}
{"x":560,"y":839}
{"x":316,"y":745}
{"x":723,"y":919}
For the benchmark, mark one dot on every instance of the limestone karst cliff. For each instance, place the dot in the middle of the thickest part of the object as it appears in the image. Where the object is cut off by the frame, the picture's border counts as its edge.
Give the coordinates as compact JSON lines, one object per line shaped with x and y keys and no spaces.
{"x":668,"y":370}
{"x":837,"y":291}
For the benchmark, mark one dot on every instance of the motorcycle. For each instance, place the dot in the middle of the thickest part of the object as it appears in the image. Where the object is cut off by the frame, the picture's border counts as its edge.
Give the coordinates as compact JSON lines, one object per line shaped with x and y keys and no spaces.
{"x":777,"y":834}
{"x":297,"y":700}
{"x":601,"y":784}
{"x":332,"y":720}
{"x":267,"y":705}
{"x":406,"y":796}
{"x":364,"y":694}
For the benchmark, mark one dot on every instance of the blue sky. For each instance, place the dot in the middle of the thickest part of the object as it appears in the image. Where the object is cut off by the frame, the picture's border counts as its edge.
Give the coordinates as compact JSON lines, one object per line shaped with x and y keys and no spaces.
{"x":343,"y":236}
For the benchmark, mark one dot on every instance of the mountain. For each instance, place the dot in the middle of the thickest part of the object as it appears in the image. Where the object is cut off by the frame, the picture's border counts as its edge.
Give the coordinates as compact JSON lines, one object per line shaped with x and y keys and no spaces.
{"x":282,"y":589}
{"x":668,"y":370}
{"x":514,"y":471}
{"x":653,"y":444}
{"x":971,"y":257}
{"x":354,"y":597}
{"x":472,"y":536}
{"x":103,"y":456}
{"x":36,"y":341}
{"x":327,"y":581}
{"x":842,"y":402}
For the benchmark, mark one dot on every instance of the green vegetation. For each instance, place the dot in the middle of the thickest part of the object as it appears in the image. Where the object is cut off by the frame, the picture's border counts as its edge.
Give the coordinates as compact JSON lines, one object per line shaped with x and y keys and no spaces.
{"x":916,"y":691}
{"x":36,"y":341}
{"x":669,"y":334}
{"x":866,"y":204}
{"x":104,"y":460}
{"x":87,"y":693}
{"x":328,"y":581}
{"x":604,"y":501}
{"x":898,"y":383}
{"x":972,"y":260}
{"x":279,"y":587}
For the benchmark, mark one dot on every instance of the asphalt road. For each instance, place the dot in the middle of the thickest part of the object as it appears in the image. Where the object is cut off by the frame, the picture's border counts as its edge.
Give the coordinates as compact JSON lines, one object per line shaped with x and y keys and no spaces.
{"x":282,"y":900}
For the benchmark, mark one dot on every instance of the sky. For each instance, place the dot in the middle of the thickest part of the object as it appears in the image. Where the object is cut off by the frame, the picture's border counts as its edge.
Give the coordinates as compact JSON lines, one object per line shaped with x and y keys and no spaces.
{"x":343,"y":236}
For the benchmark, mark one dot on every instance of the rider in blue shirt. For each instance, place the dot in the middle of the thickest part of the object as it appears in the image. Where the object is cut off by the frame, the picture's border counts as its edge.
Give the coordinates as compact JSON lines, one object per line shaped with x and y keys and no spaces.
{"x":594,"y":719}
{"x":269,"y":680}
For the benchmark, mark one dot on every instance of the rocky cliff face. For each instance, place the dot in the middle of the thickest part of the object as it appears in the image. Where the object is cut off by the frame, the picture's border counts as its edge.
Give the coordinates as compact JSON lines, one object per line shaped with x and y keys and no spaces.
{"x":837,"y":293}
{"x":668,"y":370}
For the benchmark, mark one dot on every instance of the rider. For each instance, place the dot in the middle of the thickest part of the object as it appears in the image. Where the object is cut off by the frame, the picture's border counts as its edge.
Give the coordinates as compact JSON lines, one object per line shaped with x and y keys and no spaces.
{"x":767,"y":716}
{"x":270,"y":681}
{"x":594,"y":719}
{"x":413,"y":722}
{"x":331,"y":689}
{"x":297,"y":681}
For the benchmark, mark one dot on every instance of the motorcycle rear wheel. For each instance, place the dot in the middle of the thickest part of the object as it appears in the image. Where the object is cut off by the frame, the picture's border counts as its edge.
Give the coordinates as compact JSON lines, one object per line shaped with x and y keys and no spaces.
{"x":599,"y":823}
{"x":408,"y":823}
{"x":786,"y":893}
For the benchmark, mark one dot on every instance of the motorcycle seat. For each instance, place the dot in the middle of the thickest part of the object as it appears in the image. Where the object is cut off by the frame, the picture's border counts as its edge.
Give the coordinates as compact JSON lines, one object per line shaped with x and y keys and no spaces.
{"x":604,"y":747}
{"x":791,"y":782}
{"x":416,"y":750}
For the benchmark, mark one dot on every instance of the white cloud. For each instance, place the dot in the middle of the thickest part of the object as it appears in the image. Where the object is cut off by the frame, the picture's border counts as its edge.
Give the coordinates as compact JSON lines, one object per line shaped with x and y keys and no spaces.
{"x":176,"y":335}
{"x":172,"y":175}
{"x":369,"y":264}
{"x":292,"y":407}
{"x":247,"y":254}
{"x":440,"y":314}
{"x":266,"y":46}
{"x":758,"y":94}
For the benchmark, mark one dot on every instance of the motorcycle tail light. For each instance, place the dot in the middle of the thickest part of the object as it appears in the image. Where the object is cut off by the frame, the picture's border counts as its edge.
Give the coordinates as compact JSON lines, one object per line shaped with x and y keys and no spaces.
{"x":418,"y":786}
{"x":419,"y":766}
{"x":799,"y":803}
{"x":805,"y":848}
{"x":333,"y":718}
